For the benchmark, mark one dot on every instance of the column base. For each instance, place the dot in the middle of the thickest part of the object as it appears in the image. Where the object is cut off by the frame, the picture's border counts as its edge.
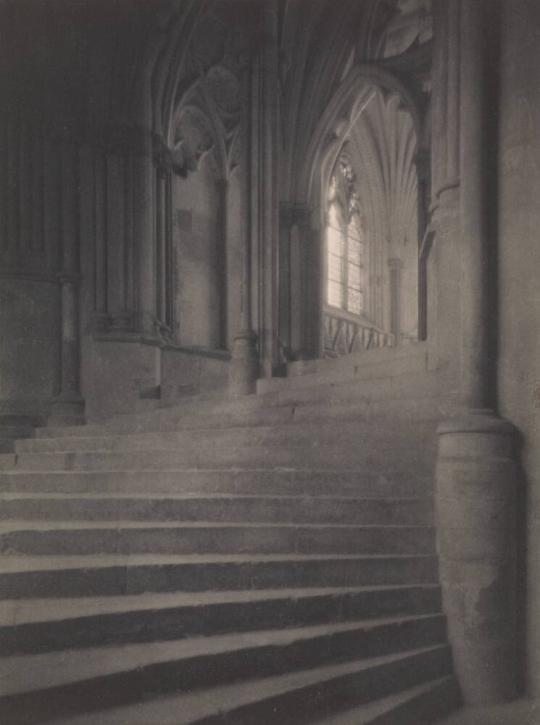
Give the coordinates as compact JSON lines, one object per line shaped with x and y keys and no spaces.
{"x":476,"y":528}
{"x":244,"y":366}
{"x":66,"y":410}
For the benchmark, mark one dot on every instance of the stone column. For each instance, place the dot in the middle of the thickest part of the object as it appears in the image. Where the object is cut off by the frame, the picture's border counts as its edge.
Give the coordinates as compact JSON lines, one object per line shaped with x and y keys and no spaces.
{"x":143,"y":234}
{"x":476,"y":474}
{"x":68,"y":407}
{"x":222,"y":186}
{"x":262,"y":236}
{"x":267,"y":99}
{"x":422,"y":162}
{"x":295,"y":304}
{"x":244,"y":367}
{"x":395,"y":267}
{"x":441,"y":258}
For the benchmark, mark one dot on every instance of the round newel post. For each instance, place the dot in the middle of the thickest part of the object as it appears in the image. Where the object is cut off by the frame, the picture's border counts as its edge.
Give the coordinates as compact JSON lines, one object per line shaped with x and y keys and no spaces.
{"x":476,"y":521}
{"x":476,"y":472}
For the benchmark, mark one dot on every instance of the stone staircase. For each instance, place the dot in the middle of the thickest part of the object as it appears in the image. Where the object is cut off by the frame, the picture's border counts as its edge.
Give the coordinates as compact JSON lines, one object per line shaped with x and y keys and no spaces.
{"x":263,"y":560}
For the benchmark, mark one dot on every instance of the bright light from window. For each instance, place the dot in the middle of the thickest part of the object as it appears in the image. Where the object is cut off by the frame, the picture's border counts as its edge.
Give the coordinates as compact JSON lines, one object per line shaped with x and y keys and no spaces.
{"x":345,"y":246}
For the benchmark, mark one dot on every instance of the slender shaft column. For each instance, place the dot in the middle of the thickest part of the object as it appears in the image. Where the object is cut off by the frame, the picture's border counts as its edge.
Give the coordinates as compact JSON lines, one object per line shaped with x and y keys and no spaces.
{"x":441,"y":260}
{"x":116,"y":232}
{"x":143,"y":232}
{"x":222,"y":186}
{"x":70,"y":339}
{"x":395,"y":267}
{"x":68,"y":406}
{"x":267,"y":187}
{"x":245,"y":365}
{"x":244,"y":368}
{"x":476,"y":362}
{"x":298,"y":282}
{"x":476,"y":473}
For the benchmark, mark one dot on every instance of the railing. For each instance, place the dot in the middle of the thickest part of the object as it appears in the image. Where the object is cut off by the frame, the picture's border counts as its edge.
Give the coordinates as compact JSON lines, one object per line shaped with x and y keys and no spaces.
{"x":343,"y":335}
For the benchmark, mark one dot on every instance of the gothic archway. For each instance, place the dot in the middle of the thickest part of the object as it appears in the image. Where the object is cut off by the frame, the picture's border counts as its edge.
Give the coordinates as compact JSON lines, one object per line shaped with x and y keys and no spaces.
{"x":372,"y":126}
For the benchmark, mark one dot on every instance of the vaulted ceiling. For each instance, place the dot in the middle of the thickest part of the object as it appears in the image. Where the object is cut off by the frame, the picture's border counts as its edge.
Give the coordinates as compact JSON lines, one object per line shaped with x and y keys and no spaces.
{"x":93,"y":63}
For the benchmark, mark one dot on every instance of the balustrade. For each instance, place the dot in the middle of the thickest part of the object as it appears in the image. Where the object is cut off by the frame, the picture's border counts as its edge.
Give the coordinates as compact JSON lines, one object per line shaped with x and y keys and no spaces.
{"x":344,"y":335}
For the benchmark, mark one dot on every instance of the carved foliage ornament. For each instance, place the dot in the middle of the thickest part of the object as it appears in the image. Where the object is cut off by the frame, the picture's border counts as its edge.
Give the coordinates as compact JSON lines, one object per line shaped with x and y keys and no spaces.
{"x":209,"y":104}
{"x":208,"y":119}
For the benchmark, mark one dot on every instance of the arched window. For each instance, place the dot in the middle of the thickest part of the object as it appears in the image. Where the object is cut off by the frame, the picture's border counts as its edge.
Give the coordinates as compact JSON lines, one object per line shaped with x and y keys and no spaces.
{"x":346,"y":253}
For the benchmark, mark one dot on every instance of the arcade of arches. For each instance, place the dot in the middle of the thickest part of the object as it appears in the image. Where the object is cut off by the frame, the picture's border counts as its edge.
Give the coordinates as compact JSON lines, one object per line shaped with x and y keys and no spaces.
{"x":250,"y":200}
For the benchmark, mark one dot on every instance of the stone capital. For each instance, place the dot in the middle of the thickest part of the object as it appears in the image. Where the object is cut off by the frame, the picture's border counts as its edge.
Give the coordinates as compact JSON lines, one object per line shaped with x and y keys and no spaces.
{"x":294,"y":214}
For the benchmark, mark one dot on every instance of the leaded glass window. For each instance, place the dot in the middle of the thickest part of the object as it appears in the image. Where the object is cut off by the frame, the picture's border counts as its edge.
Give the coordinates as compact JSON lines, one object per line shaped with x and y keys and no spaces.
{"x":345,"y":243}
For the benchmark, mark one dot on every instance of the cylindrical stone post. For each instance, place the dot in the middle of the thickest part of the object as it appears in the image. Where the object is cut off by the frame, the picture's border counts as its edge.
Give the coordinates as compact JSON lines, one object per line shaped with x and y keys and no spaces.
{"x":476,"y":473}
{"x":476,"y":526}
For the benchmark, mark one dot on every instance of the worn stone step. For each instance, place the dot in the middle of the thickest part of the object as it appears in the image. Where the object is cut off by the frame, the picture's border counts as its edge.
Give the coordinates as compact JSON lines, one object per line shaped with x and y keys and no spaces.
{"x":389,"y":395}
{"x":33,"y":626}
{"x":40,"y":577}
{"x":255,"y":509}
{"x":8,"y":461}
{"x":78,"y":680}
{"x":347,"y":434}
{"x":324,"y":456}
{"x":69,"y":431}
{"x":292,"y":698}
{"x":7,"y":445}
{"x":25,"y":421}
{"x":333,"y":386}
{"x":361,"y":411}
{"x":403,"y":398}
{"x":9,"y":434}
{"x":248,"y":481}
{"x":128,"y":537}
{"x":381,"y":359}
{"x":16,"y":431}
{"x":388,"y":364}
{"x":421,"y":705}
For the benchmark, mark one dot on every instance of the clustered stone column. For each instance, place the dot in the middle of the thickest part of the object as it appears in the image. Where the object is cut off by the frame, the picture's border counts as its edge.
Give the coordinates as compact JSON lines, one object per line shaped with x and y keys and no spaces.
{"x":249,"y":359}
{"x":476,"y":473}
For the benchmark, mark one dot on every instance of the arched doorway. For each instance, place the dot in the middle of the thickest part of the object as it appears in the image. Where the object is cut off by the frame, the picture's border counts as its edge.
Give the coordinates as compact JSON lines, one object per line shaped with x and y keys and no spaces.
{"x":352,"y":240}
{"x":370,"y":231}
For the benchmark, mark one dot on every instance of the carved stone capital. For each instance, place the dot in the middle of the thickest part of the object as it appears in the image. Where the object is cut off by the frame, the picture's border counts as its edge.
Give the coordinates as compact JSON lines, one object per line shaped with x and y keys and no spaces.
{"x":294,"y":215}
